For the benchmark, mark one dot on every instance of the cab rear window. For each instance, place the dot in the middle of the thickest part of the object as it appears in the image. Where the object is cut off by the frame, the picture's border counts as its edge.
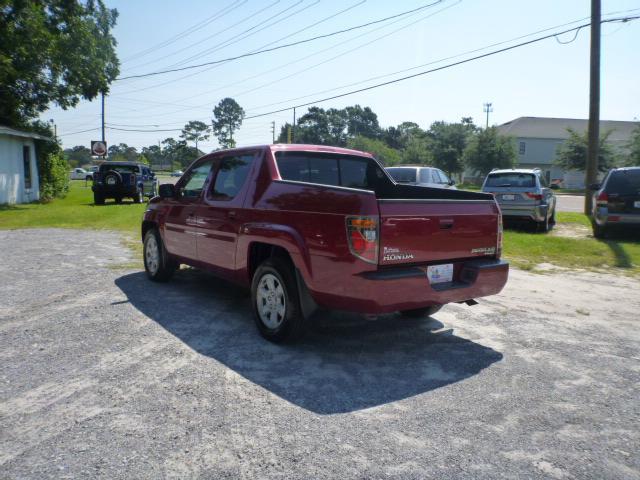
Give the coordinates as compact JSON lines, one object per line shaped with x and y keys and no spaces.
{"x":326,"y":169}
{"x":404,"y":175}
{"x":518,"y":180}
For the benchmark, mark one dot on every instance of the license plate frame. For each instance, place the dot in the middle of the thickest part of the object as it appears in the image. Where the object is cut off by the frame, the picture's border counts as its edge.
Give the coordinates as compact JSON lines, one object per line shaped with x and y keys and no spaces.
{"x":508,"y":196}
{"x":442,"y":273}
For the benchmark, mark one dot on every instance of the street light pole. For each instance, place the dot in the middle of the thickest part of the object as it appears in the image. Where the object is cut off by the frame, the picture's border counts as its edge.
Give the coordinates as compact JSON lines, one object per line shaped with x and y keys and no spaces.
{"x":487,"y":108}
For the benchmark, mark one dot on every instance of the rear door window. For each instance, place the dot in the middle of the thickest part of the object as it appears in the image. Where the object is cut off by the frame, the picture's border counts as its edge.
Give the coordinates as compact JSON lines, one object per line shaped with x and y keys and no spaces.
{"x":515,"y":180}
{"x":231,"y":177}
{"x":306,"y":168}
{"x":624,"y":182}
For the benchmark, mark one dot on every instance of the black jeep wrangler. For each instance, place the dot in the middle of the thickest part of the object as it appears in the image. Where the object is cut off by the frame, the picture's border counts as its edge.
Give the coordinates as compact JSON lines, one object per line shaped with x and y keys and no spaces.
{"x":123,"y":179}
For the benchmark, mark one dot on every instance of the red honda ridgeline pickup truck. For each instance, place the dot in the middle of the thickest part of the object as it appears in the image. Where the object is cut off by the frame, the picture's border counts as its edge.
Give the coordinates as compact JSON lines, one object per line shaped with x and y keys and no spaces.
{"x":307,"y":226}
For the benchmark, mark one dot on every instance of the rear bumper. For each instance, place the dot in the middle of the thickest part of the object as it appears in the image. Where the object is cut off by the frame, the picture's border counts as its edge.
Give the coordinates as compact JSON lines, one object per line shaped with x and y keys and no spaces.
{"x":115,"y":190}
{"x":537,"y":213}
{"x":406,"y":288}
{"x":604,"y":218}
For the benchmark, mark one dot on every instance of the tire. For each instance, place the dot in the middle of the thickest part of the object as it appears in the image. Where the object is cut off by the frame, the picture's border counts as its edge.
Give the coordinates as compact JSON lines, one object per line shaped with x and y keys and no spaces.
{"x":139,"y":198}
{"x":421,"y":312}
{"x":544,"y":226}
{"x":98,"y":199}
{"x":599,"y":231}
{"x":158,"y":264}
{"x":88,"y":178}
{"x":276,"y":302}
{"x":112,"y":174}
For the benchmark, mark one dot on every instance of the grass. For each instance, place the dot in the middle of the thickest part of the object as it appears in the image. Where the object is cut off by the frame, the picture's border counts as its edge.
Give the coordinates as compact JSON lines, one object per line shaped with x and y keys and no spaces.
{"x":523,"y":249}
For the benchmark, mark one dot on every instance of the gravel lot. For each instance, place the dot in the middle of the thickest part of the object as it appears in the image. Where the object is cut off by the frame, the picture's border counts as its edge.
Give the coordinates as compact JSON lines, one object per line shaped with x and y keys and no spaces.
{"x":106,"y":375}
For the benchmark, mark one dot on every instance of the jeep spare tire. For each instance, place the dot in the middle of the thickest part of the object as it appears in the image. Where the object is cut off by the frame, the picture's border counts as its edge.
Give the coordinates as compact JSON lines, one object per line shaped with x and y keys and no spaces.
{"x":112,"y":178}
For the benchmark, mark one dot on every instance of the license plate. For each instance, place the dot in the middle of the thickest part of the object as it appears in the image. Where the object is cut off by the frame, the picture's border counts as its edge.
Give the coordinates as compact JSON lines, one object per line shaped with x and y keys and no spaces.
{"x":636,"y":204}
{"x":440,"y":273}
{"x":508,"y":197}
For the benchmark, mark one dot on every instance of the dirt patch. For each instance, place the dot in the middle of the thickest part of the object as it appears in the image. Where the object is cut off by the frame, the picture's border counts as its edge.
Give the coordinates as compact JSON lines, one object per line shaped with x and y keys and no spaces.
{"x":571,"y":230}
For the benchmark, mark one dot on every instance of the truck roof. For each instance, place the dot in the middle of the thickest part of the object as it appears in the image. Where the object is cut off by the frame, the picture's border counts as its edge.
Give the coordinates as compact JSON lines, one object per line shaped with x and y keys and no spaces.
{"x":301,"y":147}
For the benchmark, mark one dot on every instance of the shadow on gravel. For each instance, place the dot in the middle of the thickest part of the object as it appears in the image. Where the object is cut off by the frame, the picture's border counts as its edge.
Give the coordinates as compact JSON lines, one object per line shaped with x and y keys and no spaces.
{"x":346,"y":363}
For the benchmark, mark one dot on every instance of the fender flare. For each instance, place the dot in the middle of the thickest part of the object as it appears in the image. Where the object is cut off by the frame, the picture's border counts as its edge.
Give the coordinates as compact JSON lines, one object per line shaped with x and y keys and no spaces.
{"x":278,"y":235}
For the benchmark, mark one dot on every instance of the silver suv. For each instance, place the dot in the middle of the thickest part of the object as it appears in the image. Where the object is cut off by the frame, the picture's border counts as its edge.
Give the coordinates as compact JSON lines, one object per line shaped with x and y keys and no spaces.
{"x":421,"y":176}
{"x":523,"y":194}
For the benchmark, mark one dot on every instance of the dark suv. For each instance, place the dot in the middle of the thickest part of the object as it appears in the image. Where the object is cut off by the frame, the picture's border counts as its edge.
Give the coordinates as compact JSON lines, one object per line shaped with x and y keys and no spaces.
{"x":616,"y":201}
{"x":123,"y":179}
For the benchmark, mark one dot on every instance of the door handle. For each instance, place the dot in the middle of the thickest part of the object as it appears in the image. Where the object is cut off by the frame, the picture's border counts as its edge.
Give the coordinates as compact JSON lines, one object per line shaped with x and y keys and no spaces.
{"x":231,"y":214}
{"x":446,"y":224}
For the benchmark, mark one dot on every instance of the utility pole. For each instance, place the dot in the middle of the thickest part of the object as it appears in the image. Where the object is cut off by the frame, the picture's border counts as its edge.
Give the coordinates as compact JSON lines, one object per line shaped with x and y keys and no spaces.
{"x":102,"y":99}
{"x":591,"y":172}
{"x":55,"y":129}
{"x":273,"y":132}
{"x":293,"y":134}
{"x":487,"y":108}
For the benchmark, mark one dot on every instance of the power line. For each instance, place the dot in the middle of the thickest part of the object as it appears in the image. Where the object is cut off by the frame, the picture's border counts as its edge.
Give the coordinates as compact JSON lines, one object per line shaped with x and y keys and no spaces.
{"x":81,"y":131}
{"x":397,"y":80}
{"x":194,"y":28}
{"x":307,"y":40}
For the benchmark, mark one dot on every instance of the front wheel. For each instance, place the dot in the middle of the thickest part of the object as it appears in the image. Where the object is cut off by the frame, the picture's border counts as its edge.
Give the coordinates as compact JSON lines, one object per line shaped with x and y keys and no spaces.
{"x":157,"y":262}
{"x":98,"y":199}
{"x":276,"y":302}
{"x":421,"y":312}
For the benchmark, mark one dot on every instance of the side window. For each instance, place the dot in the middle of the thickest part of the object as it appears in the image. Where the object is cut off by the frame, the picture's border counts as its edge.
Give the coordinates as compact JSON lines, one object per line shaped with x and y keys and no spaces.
{"x":231,"y":176}
{"x":443,"y":177}
{"x":193,"y":187}
{"x":310,"y":169}
{"x":425,"y":175}
{"x":522,"y":148}
{"x":543,"y":181}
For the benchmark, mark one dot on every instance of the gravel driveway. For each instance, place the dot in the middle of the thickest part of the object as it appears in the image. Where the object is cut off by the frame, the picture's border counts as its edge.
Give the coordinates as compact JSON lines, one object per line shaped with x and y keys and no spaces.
{"x":106,"y":375}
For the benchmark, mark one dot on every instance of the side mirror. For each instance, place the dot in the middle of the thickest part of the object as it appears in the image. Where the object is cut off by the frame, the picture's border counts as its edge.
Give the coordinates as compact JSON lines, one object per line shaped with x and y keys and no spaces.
{"x":595,"y":186}
{"x":452,"y":183}
{"x":167,"y":190}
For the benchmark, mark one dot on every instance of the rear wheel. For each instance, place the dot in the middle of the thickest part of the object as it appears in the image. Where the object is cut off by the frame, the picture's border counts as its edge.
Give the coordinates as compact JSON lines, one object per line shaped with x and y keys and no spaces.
{"x":599,"y":231}
{"x":421,"y":312}
{"x":98,"y":199}
{"x":157,"y":262}
{"x":545,"y":225}
{"x":276,"y":301}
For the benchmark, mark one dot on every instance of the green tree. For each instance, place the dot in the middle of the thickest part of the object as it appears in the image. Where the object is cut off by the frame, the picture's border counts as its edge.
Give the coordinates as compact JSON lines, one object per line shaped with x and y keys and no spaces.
{"x":377,"y":148}
{"x":572,"y":153}
{"x":416,"y":151}
{"x":78,"y":156}
{"x":178,"y":154}
{"x":53,"y":51}
{"x":633,"y":158}
{"x":53,"y":169}
{"x":398,"y":137}
{"x":487,"y":149}
{"x":195,"y":131}
{"x":448,"y":142}
{"x":227,"y":118}
{"x":362,"y":121}
{"x":122,"y":153}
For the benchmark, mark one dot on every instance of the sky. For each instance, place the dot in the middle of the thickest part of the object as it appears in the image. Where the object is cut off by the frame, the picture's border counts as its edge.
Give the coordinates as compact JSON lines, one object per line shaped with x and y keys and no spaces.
{"x":547,"y":79}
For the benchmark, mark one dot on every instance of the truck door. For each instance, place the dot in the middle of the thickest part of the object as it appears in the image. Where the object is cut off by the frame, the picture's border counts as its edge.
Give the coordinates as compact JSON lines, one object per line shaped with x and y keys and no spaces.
{"x":180,"y":224}
{"x":220,"y":213}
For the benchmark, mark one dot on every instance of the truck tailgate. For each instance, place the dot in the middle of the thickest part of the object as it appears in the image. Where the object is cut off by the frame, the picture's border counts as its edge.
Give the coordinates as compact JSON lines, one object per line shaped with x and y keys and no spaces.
{"x":432,"y":231}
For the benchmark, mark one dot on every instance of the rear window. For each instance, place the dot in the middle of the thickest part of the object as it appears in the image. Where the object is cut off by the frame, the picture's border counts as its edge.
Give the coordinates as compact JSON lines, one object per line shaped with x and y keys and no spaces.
{"x":105,"y":167}
{"x":624,"y":182}
{"x":526,"y":180}
{"x":403,"y":175}
{"x":327,"y":169}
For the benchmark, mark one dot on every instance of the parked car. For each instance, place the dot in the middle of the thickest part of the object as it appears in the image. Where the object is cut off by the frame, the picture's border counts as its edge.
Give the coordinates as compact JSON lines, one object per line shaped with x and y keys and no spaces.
{"x":616,"y":201}
{"x":523,"y":194}
{"x":306,"y":226}
{"x":81,"y":174}
{"x":118,"y":180}
{"x":177,"y":173}
{"x":422,"y":176}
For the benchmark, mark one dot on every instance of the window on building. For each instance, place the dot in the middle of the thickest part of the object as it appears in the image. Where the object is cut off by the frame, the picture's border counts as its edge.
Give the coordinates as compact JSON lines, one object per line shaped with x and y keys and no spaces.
{"x":26,"y":162}
{"x":522,"y":148}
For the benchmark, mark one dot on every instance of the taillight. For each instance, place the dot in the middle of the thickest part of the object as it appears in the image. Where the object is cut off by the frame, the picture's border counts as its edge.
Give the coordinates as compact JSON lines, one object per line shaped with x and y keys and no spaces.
{"x":499,"y":239}
{"x":602,"y":199}
{"x":363,"y":238}
{"x":534,"y":196}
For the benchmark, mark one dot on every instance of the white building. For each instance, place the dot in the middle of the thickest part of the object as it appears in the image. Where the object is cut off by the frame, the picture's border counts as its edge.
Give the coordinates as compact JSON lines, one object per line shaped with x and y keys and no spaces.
{"x":19,"y":181}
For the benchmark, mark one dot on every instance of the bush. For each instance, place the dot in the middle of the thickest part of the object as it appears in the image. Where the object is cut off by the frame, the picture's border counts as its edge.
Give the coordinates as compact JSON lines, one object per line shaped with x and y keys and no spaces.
{"x":380,"y":150}
{"x":53,"y":170}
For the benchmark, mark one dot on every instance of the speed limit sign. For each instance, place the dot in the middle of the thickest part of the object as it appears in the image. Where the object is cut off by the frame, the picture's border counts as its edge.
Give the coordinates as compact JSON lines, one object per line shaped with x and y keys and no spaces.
{"x":98,"y":148}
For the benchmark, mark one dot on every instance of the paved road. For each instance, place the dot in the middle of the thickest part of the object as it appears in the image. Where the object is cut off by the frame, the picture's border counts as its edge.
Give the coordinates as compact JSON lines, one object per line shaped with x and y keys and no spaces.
{"x":106,"y":375}
{"x":570,"y":203}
